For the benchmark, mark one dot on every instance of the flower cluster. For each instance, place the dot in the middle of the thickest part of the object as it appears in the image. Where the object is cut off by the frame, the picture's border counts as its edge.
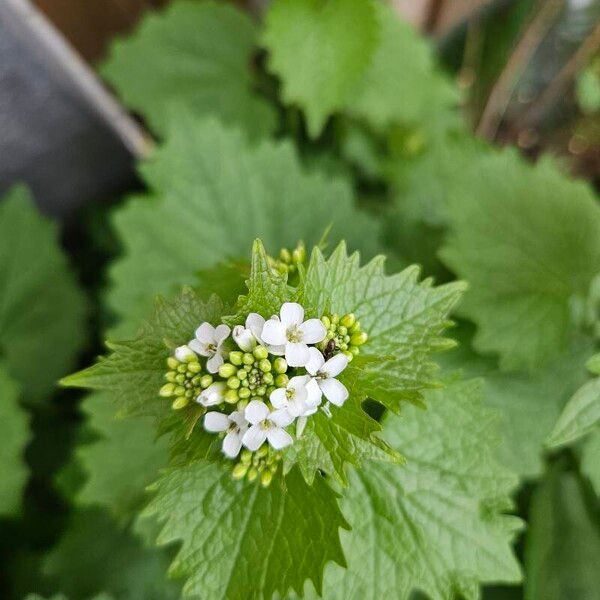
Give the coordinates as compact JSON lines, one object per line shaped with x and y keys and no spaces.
{"x":256,"y":381}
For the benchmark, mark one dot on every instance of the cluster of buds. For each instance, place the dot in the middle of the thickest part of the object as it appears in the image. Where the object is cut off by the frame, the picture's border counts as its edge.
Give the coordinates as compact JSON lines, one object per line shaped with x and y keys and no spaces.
{"x":256,"y":381}
{"x":289,"y":261}
{"x":344,"y":334}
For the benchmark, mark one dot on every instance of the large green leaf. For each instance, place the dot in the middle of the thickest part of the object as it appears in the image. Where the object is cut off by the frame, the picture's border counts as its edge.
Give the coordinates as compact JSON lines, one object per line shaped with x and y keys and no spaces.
{"x":217,"y":196}
{"x":403,"y":317}
{"x":42,"y":312}
{"x":320,"y":50}
{"x":14,"y":433}
{"x":590,"y":460}
{"x":123,"y":461}
{"x":95,"y":556}
{"x":580,"y":416}
{"x":562,"y":550}
{"x":436,"y":524}
{"x":134,"y":372}
{"x":402,"y":83}
{"x":239,"y":540}
{"x":194,"y":54}
{"x":527,"y":240}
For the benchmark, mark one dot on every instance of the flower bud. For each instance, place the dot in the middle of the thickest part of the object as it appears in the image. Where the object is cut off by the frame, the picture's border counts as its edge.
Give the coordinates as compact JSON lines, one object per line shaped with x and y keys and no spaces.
{"x":239,"y":471}
{"x":194,"y":367}
{"x":265,"y":365}
{"x":171,"y":376}
{"x":285,"y":255}
{"x":231,"y":396}
{"x":233,"y":383}
{"x":179,"y":390}
{"x":243,"y":338}
{"x":252,"y":474}
{"x":244,"y":392}
{"x":265,"y":478}
{"x":348,"y":320}
{"x":172,"y":362}
{"x":226,"y":370}
{"x":235,"y":357}
{"x":206,"y":381}
{"x":268,"y":378}
{"x":261,"y":352}
{"x":180,"y":403}
{"x":248,"y":359}
{"x":359,"y":338}
{"x":281,"y":380}
{"x":167,"y":390}
{"x":280,"y":365}
{"x":326,"y":322}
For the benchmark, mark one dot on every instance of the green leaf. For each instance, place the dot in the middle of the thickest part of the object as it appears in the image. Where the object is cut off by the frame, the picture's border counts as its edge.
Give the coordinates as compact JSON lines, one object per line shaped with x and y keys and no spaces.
{"x":590,"y":460}
{"x":226,"y":279}
{"x":123,"y":461}
{"x":14,"y":433}
{"x":217,"y":196}
{"x":437,"y":524}
{"x":588,"y":90}
{"x":527,"y":240}
{"x":402,"y":83}
{"x":134,"y":371}
{"x":562,"y":550}
{"x":580,"y":416}
{"x":403,"y":317}
{"x":529,"y":404}
{"x":42,"y":313}
{"x":196,"y":55}
{"x":94,"y":555}
{"x":320,"y":50}
{"x":240,"y":540}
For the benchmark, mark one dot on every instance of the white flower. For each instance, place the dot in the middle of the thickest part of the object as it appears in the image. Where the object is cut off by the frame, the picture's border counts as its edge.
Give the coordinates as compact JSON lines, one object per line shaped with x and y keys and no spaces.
{"x":294,"y":333}
{"x":324,"y":374}
{"x":247,"y":337}
{"x":298,"y":399}
{"x":184,"y":354}
{"x":208,"y":342}
{"x":213,"y":394}
{"x":266,"y":425}
{"x":234,"y":424}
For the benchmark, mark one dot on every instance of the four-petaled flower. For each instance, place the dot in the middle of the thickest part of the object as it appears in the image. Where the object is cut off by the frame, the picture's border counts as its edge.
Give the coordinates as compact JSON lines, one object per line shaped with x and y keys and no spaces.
{"x":293,"y":333}
{"x":209,"y":342}
{"x":247,"y":337}
{"x":297,"y":398}
{"x":234,"y":424}
{"x":213,"y":394}
{"x":266,"y":425}
{"x":324,"y":374}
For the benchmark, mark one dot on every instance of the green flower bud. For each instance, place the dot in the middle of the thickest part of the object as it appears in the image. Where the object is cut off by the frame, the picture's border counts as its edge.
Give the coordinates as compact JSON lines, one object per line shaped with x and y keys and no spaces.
{"x":281,"y":380}
{"x":244,"y":392}
{"x":167,"y":390}
{"x":194,"y":367}
{"x":180,"y":378}
{"x":248,"y":358}
{"x":182,"y":368}
{"x":179,"y":391}
{"x":262,"y":451}
{"x":280,"y":365}
{"x":343,"y":346}
{"x":348,"y":320}
{"x":172,"y":362}
{"x":235,"y":357}
{"x":359,"y":338}
{"x":261,"y":391}
{"x":189,"y":393}
{"x":233,"y":383}
{"x":180,"y":403}
{"x":206,"y":381}
{"x":355,"y":327}
{"x":242,"y":374}
{"x":285,"y":255}
{"x":252,"y":474}
{"x":354,"y":350}
{"x":265,"y":365}
{"x":246,"y":456}
{"x":239,"y":471}
{"x":231,"y":396}
{"x":335,"y":319}
{"x":171,"y":376}
{"x":349,"y":355}
{"x":245,"y":382}
{"x":268,"y":378}
{"x":260,"y":352}
{"x":330,"y":335}
{"x":265,"y":478}
{"x":299,"y":254}
{"x":241,"y":405}
{"x":226,"y":370}
{"x":342,"y":330}
{"x":196,"y":381}
{"x":326,"y":322}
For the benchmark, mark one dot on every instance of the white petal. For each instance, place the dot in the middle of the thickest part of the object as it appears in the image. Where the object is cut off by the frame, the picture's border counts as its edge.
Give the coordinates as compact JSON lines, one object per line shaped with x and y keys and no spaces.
{"x":298,"y":382}
{"x":313,"y":393}
{"x":291,"y":314}
{"x":254,"y":438}
{"x":313,"y":331}
{"x":213,"y":394}
{"x":216,"y":422}
{"x":274,"y":333}
{"x":278,"y":438}
{"x":199,"y":348}
{"x":296,"y":354}
{"x":276,"y":350}
{"x":335,"y":365}
{"x":256,"y":412}
{"x":221,"y":334}
{"x":255,"y":323}
{"x":184,"y":353}
{"x":300,"y":426}
{"x":315,"y":361}
{"x":232,"y":444}
{"x":279,"y":398}
{"x":237,"y":417}
{"x":310,"y":410}
{"x":281,"y":417}
{"x":334,"y":391}
{"x":205,"y":333}
{"x":214,"y":362}
{"x":296,"y":407}
{"x":244,"y":338}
